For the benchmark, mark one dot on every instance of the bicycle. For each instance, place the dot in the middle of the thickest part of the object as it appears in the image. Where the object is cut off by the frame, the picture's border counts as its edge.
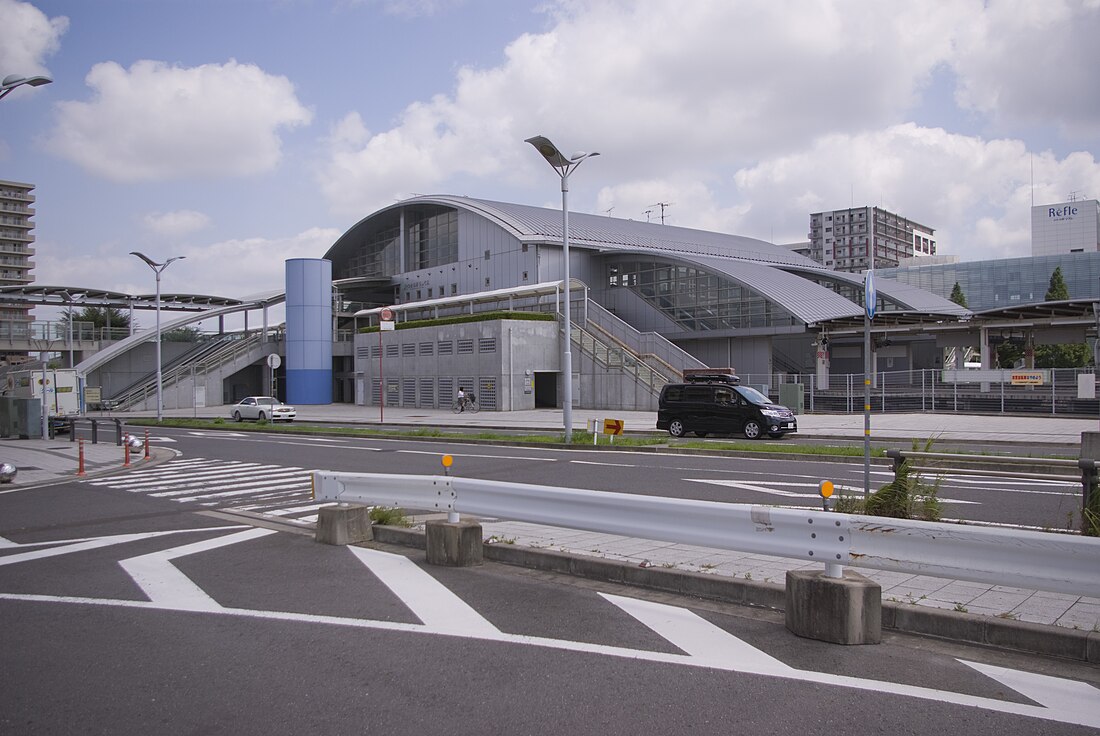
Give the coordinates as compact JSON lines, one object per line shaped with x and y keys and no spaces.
{"x":466,"y":403}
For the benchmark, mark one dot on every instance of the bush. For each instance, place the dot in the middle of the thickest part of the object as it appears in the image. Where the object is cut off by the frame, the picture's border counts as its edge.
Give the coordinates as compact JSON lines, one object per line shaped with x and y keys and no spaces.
{"x":388,"y":516}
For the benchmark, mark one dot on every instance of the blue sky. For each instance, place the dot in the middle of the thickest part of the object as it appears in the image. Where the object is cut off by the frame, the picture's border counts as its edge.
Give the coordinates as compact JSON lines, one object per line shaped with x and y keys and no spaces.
{"x":243,"y":132}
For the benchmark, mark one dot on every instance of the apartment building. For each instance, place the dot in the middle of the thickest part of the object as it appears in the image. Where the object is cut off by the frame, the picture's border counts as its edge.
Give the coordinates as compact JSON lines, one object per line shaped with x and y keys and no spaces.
{"x":16,"y":251}
{"x":848,"y":239}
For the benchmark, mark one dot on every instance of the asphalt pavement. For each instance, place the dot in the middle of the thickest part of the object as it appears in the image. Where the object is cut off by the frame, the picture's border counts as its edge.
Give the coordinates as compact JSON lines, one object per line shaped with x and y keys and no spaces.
{"x":1063,"y":619}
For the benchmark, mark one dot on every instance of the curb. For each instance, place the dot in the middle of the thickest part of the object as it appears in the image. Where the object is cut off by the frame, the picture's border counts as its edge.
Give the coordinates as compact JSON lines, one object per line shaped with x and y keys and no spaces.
{"x":1022,"y":636}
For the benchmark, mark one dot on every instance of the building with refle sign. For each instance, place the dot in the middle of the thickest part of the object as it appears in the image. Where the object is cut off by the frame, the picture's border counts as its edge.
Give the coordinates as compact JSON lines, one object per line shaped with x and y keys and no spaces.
{"x":1065,"y":227}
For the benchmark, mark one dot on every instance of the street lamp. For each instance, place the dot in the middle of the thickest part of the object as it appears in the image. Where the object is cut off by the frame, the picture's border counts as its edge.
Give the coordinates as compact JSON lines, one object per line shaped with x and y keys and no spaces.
{"x":564,"y":166}
{"x":158,"y":268}
{"x":16,"y":80}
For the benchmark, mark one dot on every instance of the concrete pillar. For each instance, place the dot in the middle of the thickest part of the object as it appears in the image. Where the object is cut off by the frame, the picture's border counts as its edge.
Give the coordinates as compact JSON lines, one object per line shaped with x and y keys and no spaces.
{"x":454,"y":543}
{"x":344,"y":524}
{"x":845,"y":610}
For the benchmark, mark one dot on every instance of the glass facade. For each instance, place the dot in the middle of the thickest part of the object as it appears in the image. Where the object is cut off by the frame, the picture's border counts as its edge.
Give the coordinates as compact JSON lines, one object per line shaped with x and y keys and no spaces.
{"x":431,"y":239}
{"x":1005,"y":282}
{"x":697,"y":299}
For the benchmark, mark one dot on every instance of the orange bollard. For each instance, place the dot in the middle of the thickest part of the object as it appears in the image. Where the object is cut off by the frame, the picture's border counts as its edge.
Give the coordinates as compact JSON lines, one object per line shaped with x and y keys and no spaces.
{"x":126,"y":456}
{"x":80,"y":466}
{"x":147,"y":444}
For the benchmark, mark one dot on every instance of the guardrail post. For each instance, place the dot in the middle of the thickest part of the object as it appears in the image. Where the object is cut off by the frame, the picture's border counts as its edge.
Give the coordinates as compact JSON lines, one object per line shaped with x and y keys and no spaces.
{"x":1088,"y":488}
{"x":344,"y":524}
{"x":898,"y":457}
{"x":118,"y":432}
{"x":95,"y":431}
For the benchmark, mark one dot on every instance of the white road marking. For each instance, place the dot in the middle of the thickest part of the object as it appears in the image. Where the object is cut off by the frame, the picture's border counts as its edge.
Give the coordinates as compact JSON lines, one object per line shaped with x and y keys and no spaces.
{"x":429,"y":600}
{"x":700,"y":639}
{"x":777,"y":492}
{"x":611,"y":465}
{"x":1054,"y":692}
{"x":82,"y":545}
{"x":164,"y":584}
{"x":468,"y":454}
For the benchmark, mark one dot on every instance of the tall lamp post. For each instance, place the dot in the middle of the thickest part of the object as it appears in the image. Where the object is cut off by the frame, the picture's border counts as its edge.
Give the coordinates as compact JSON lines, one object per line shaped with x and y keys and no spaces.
{"x":158,"y":268}
{"x":17,"y":80}
{"x":564,"y":166}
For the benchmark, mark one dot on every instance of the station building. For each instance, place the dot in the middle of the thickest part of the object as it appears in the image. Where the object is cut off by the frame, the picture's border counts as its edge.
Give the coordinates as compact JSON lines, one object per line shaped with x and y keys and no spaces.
{"x":645,"y":297}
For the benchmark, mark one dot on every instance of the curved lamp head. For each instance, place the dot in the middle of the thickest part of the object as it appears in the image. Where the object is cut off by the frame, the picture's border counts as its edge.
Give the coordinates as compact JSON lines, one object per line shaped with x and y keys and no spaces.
{"x":153,"y":264}
{"x":12,"y":81}
{"x":555,"y":157}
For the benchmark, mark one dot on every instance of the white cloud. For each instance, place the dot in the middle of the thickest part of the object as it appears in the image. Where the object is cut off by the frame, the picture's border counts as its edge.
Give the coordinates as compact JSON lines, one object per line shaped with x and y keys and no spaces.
{"x":231,"y":268}
{"x":656,"y":87}
{"x":1033,"y":63}
{"x":750,"y":116}
{"x":27,"y":37}
{"x":154,"y":121}
{"x":175,"y":224}
{"x":976,"y":193}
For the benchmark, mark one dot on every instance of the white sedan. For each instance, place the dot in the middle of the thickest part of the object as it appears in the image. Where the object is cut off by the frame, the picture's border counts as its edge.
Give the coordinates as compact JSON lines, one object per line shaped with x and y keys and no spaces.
{"x":262,"y":408}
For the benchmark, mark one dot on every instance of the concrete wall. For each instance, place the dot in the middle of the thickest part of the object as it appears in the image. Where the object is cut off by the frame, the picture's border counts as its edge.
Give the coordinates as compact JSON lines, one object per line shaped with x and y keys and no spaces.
{"x":424,"y":367}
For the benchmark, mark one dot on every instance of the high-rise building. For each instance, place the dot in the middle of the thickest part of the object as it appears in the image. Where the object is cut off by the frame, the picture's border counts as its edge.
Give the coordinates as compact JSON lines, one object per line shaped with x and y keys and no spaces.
{"x":846,"y":240}
{"x":16,"y":250}
{"x":1066,"y":227}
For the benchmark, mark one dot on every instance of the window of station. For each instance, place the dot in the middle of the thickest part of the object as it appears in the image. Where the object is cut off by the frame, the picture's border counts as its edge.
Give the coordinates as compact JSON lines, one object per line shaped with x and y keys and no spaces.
{"x":431,"y":238}
{"x":697,"y":299}
{"x":376,"y":256}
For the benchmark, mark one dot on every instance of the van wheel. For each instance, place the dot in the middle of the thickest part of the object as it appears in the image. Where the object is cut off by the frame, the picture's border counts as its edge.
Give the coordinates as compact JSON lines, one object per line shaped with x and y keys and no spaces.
{"x":700,"y":434}
{"x":676,"y":428}
{"x":752,"y":429}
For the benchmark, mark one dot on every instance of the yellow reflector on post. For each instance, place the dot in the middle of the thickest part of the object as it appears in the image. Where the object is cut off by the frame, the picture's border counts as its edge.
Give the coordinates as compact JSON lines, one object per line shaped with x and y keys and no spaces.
{"x":826,"y":488}
{"x":447,"y":461}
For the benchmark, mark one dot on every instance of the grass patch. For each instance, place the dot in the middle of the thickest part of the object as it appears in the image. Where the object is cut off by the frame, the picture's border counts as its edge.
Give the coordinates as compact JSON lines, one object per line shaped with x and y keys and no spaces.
{"x":388,"y":516}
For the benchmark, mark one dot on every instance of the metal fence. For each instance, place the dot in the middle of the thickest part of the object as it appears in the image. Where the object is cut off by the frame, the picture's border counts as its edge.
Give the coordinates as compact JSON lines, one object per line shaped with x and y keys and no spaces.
{"x":1058,"y":391}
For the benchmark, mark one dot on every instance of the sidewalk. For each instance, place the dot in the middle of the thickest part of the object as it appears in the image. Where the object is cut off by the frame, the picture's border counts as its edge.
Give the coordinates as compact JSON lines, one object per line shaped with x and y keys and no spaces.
{"x":43,"y":461}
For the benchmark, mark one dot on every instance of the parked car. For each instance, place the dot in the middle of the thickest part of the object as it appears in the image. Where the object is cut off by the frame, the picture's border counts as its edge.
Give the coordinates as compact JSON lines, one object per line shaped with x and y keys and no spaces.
{"x":260,"y":408}
{"x":717,"y":404}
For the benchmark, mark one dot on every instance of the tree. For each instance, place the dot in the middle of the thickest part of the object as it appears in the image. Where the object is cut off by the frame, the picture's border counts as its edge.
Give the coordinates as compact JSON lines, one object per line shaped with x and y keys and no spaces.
{"x":1075,"y":355}
{"x":100,"y":317}
{"x":958,"y":296}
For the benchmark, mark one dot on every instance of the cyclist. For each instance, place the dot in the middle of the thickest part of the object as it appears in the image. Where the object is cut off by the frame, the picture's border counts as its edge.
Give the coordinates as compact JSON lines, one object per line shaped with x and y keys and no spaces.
{"x":461,"y":399}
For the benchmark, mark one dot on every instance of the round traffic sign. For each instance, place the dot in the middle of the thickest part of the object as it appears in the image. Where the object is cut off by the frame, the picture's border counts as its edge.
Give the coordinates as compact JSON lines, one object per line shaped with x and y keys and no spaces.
{"x":387,"y":314}
{"x":274,"y":361}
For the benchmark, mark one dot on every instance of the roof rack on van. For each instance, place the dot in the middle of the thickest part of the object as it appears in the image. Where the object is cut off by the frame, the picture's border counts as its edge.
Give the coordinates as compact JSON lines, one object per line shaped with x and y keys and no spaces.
{"x":713,"y":375}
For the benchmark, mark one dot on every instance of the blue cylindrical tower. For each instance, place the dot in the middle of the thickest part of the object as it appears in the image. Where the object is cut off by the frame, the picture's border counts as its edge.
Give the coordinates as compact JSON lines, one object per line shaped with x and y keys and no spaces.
{"x":308,"y":331}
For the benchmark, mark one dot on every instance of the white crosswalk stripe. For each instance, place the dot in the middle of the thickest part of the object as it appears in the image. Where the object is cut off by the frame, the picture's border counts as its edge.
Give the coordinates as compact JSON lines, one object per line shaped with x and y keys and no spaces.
{"x":272,"y":490}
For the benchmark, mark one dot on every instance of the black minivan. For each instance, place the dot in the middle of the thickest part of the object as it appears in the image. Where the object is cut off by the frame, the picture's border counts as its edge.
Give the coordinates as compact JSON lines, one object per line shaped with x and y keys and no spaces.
{"x":715,"y":404}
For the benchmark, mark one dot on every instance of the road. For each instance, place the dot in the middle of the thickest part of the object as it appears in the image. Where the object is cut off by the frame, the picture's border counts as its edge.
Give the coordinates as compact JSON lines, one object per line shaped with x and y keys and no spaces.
{"x":129,"y":613}
{"x":268,"y":473}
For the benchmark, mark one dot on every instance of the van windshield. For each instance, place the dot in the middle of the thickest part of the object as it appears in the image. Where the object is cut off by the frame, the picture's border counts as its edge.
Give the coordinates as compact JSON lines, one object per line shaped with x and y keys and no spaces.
{"x":752,"y":395}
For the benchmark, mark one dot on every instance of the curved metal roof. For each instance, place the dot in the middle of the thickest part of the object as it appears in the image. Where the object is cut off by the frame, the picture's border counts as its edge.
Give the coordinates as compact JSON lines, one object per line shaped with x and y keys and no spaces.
{"x":541,"y":225}
{"x":66,"y":295}
{"x":772,"y":270}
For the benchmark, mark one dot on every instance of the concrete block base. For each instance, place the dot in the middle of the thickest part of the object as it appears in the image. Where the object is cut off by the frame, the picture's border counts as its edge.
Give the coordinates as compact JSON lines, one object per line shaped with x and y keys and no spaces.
{"x":454,"y":544}
{"x":344,"y":524}
{"x":844,"y":610}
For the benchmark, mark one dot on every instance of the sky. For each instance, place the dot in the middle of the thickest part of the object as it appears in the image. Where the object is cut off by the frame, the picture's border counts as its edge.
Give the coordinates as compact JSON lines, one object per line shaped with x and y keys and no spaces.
{"x":240,"y":133}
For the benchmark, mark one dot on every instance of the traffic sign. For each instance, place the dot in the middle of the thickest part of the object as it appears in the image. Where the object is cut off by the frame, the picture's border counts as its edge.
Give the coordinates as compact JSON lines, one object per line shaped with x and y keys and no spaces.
{"x":870,"y":294}
{"x":612,"y":426}
{"x":274,"y":361}
{"x":386,"y":315}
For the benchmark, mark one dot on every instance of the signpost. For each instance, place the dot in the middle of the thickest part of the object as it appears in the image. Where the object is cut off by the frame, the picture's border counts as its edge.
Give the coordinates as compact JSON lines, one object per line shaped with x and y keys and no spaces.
{"x":273,"y":362}
{"x":870,"y":299}
{"x":385,"y":324}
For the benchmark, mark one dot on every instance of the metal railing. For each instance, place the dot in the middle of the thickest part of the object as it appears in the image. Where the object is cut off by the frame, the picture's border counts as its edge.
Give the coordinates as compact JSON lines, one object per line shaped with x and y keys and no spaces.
{"x":1059,"y":563}
{"x":618,"y":358}
{"x":938,"y":391}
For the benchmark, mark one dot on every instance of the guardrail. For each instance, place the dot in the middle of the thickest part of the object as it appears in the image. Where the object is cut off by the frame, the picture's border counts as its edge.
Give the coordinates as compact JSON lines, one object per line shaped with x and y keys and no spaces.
{"x":1031,"y":468}
{"x":1042,"y":561}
